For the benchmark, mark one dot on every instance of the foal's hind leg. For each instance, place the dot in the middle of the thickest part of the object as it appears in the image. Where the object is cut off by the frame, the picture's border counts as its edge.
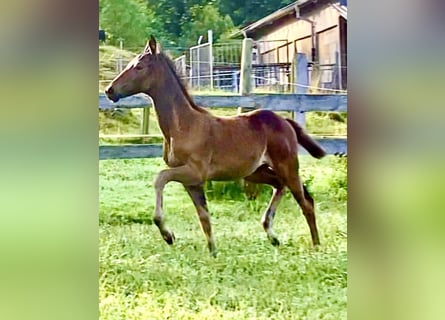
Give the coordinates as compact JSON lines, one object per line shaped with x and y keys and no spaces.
{"x":269,"y":214}
{"x":266,"y":175}
{"x":199,"y":200}
{"x":304,"y":200}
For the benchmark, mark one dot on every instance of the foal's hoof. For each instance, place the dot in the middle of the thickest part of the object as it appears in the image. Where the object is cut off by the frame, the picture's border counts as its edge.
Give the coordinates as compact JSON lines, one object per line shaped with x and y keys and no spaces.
{"x":213,"y":253}
{"x":169,"y":238}
{"x":212,"y":250}
{"x":275,"y":242}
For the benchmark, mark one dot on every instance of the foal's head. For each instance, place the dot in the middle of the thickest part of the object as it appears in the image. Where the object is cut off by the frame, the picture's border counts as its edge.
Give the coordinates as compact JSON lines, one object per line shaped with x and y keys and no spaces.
{"x":139,"y":75}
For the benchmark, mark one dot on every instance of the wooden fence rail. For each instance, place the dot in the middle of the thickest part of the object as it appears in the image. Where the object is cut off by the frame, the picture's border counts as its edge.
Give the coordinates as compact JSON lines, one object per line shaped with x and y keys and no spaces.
{"x":274,"y":102}
{"x":135,"y":151}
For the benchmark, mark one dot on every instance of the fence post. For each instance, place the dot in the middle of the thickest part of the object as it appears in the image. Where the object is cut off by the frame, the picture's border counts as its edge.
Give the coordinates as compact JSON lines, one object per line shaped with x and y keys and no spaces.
{"x":183,"y":66}
{"x":246,"y":69}
{"x":337,"y":71}
{"x":145,"y":121}
{"x":210,"y":41}
{"x":119,"y":57}
{"x":301,"y":73}
{"x":191,"y":73}
{"x":250,"y":189}
{"x":301,"y":81}
{"x":235,"y":81}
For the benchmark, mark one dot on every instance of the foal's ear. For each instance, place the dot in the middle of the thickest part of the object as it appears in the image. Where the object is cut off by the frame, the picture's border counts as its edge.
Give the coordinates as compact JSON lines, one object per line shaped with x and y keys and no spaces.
{"x":151,"y":45}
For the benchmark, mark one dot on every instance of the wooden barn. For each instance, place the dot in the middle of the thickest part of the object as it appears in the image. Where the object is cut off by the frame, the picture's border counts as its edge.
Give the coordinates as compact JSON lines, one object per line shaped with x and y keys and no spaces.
{"x":315,"y":29}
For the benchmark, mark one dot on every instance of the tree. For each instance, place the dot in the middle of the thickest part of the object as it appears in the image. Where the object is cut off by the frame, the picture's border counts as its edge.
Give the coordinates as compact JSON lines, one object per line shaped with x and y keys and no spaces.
{"x":130,"y":20}
{"x":178,"y":23}
{"x":250,"y":10}
{"x":203,"y":18}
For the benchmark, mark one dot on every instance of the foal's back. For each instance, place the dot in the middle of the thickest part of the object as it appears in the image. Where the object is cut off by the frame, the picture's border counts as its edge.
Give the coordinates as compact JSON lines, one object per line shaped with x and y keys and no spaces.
{"x":260,"y":128}
{"x":240,"y":144}
{"x":280,"y":138}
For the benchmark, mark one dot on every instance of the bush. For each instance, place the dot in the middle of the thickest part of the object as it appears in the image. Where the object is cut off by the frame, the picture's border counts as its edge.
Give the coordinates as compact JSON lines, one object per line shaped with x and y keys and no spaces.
{"x":329,"y":179}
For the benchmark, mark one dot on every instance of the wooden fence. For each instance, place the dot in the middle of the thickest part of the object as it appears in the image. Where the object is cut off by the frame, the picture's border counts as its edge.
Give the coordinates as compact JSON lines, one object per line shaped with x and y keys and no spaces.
{"x":297,"y":103}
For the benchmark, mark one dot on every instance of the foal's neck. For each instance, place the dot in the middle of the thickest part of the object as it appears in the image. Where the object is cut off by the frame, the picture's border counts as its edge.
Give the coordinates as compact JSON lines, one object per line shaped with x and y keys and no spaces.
{"x":173,"y":107}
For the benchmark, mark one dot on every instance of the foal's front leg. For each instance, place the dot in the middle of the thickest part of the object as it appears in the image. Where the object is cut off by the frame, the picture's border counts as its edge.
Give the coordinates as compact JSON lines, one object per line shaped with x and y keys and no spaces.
{"x":184,"y":175}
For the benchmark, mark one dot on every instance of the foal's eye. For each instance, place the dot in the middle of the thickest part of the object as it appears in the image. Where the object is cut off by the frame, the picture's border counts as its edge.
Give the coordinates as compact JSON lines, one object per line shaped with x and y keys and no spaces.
{"x":138,"y":67}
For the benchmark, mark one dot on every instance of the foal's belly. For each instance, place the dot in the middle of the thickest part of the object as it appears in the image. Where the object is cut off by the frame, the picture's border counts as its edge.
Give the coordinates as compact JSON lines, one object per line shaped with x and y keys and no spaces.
{"x":235,"y":166}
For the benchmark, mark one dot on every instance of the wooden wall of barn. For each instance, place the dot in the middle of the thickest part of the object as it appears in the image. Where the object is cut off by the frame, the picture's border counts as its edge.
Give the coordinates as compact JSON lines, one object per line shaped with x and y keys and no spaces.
{"x":297,"y":34}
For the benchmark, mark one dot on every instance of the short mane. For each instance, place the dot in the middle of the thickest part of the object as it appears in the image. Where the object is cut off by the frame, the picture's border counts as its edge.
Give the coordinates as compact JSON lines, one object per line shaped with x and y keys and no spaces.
{"x":172,"y":68}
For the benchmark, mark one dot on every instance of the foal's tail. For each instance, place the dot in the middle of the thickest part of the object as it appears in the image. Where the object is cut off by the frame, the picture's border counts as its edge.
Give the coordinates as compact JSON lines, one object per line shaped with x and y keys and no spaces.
{"x":306,"y":141}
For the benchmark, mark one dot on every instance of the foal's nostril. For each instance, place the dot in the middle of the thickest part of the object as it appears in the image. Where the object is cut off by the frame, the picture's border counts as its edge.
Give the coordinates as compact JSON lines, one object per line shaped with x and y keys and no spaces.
{"x":109,"y":90}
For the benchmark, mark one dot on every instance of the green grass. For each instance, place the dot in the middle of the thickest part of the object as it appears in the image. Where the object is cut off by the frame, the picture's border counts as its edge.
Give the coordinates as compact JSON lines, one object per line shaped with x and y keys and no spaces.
{"x":141,"y":277}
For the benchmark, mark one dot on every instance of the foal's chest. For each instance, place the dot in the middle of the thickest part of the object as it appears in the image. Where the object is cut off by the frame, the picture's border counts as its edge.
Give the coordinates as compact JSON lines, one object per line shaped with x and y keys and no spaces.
{"x":174,"y":155}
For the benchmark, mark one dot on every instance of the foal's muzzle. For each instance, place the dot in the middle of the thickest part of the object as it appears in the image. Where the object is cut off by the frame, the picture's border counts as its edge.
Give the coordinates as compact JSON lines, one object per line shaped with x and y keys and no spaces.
{"x":109,"y":91}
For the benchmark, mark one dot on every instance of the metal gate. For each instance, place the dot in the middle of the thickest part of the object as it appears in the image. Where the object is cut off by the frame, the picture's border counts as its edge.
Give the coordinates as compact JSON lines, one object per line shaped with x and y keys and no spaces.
{"x":201,"y":64}
{"x":215,"y":66}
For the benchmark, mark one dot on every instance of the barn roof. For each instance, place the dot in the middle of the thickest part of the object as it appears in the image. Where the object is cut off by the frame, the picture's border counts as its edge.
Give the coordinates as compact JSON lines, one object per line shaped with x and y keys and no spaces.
{"x":342,"y":9}
{"x":340,"y":6}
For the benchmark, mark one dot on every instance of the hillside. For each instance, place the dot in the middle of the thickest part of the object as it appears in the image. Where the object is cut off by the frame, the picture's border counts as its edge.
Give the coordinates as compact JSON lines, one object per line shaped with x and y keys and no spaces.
{"x":108,"y":59}
{"x":123,"y":121}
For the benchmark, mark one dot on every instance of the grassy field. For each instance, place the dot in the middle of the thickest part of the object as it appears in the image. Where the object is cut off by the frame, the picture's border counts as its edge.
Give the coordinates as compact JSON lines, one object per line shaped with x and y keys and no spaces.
{"x":141,"y":277}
